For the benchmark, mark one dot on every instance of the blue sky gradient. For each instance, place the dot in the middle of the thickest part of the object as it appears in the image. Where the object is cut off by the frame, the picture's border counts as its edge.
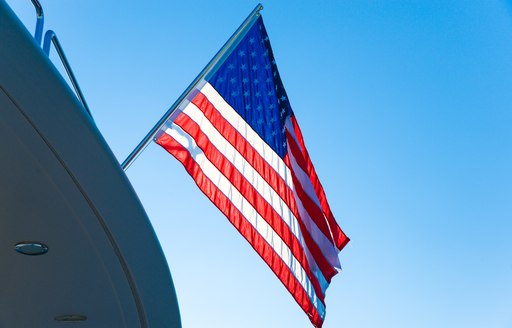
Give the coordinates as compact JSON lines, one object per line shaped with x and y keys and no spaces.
{"x":406,"y":108}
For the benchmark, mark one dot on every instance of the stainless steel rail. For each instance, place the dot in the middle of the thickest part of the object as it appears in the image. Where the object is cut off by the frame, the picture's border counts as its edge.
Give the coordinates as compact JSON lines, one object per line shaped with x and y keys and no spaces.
{"x":40,"y":21}
{"x":51,"y":37}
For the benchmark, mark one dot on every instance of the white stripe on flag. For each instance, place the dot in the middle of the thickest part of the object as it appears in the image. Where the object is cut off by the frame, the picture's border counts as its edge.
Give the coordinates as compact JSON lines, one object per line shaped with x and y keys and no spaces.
{"x":304,"y":178}
{"x":326,"y":245}
{"x":271,"y":157}
{"x":256,"y":180}
{"x":231,"y":116}
{"x":248,"y":212}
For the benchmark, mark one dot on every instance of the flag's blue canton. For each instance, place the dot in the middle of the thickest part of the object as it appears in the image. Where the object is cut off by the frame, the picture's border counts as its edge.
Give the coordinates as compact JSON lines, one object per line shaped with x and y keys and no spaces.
{"x":249,"y":81}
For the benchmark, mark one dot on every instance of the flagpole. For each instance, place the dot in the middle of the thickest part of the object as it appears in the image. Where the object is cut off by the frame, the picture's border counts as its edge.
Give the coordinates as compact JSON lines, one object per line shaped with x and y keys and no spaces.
{"x":220,"y":55}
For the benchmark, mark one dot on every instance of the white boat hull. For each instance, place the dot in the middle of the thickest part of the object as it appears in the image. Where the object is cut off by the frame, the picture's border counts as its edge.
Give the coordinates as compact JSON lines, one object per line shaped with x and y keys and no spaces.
{"x":61,"y":186}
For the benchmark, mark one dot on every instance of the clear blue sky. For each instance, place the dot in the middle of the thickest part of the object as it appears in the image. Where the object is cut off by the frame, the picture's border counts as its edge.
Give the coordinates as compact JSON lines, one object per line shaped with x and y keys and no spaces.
{"x":406,"y":107}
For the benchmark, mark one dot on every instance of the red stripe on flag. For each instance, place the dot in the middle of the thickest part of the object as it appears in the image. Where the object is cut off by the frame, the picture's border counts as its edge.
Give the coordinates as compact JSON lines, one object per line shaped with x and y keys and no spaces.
{"x":327,"y":270}
{"x":325,"y":266}
{"x":314,"y":211}
{"x":243,"y":147}
{"x":340,"y":238}
{"x":243,"y":226}
{"x":267,"y":172}
{"x":265,"y":210}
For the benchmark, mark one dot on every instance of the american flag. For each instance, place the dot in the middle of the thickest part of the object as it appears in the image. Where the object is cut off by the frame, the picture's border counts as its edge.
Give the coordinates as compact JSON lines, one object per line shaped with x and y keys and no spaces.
{"x":239,"y":140}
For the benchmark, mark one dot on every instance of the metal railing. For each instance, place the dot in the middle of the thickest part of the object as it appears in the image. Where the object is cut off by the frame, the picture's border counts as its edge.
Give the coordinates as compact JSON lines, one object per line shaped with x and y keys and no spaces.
{"x":49,"y":38}
{"x":40,"y":21}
